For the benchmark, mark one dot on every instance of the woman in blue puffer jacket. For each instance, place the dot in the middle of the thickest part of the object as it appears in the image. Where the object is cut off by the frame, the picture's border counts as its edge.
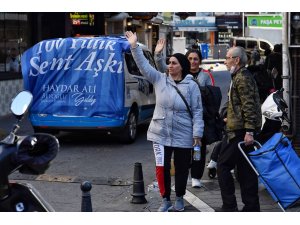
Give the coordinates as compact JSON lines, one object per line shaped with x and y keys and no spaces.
{"x":172,"y":128}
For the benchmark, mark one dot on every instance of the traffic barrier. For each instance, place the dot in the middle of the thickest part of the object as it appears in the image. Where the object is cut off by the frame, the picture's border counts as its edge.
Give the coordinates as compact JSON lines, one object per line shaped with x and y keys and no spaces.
{"x":138,"y":185}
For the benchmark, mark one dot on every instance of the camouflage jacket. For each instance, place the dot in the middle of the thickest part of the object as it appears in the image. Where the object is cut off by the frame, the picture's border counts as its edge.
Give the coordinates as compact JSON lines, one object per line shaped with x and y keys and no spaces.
{"x":243,"y":112}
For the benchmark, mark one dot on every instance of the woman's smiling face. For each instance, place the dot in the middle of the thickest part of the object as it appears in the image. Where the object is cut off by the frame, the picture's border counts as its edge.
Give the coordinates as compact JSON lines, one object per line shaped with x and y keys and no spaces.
{"x":194,"y":60}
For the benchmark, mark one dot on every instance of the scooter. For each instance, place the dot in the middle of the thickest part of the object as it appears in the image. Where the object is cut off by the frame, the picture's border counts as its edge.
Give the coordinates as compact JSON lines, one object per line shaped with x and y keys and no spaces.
{"x":30,"y":154}
{"x":274,"y":112}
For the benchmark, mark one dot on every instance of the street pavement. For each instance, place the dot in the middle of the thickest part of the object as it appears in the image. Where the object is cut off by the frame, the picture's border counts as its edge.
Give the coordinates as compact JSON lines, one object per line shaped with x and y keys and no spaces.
{"x":204,"y":199}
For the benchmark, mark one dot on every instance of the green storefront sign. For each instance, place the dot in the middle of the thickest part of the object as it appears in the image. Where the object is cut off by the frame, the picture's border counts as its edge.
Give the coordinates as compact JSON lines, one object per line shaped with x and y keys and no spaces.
{"x":265,"y":21}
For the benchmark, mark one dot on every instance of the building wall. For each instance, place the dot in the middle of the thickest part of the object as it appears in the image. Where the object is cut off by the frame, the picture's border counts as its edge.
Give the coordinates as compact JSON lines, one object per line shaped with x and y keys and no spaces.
{"x":8,"y":90}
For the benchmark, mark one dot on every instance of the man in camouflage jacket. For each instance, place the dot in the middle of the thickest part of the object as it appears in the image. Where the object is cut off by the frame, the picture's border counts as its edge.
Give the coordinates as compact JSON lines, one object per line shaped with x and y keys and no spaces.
{"x":243,"y":112}
{"x":242,"y":122}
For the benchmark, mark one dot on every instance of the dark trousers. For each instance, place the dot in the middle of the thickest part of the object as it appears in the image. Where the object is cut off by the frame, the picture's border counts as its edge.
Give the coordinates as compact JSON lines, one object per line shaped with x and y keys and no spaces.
{"x":216,"y":151}
{"x":182,"y":160}
{"x":197,"y":167}
{"x":230,"y":156}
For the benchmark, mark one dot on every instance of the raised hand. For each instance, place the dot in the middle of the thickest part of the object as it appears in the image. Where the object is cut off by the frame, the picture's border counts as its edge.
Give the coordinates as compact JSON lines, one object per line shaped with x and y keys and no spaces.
{"x":160,"y":45}
{"x":132,"y":38}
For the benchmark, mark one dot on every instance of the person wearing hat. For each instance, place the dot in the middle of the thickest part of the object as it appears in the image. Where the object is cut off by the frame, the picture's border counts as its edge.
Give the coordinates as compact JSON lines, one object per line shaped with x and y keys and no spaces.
{"x":173,"y":130}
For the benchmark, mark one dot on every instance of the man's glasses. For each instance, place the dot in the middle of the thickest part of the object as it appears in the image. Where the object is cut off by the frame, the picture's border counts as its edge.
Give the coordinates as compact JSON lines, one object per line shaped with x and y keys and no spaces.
{"x":230,"y":57}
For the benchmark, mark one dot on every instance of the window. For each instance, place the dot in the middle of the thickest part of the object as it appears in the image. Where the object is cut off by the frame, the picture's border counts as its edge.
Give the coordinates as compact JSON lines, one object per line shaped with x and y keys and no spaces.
{"x":150,"y":59}
{"x":131,"y":65}
{"x":264,"y":45}
{"x":251,"y":44}
{"x":14,"y":40}
{"x":241,"y":43}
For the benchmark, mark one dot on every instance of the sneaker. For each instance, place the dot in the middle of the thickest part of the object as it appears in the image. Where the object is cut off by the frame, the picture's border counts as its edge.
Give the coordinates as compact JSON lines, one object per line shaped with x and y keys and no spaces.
{"x":179,"y":204}
{"x":212,"y":164}
{"x":196,"y":183}
{"x":165,"y":206}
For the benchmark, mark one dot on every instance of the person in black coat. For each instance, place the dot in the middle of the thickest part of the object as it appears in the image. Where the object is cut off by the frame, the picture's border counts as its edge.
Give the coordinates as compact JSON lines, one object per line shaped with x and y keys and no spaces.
{"x":273,"y":65}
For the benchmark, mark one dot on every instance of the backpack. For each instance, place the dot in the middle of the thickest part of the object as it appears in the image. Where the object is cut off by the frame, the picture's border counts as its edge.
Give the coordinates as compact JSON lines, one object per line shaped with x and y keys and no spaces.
{"x":211,"y":101}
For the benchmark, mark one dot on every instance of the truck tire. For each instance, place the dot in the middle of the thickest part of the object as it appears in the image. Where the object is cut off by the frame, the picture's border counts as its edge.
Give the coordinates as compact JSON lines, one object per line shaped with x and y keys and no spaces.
{"x":130,"y":130}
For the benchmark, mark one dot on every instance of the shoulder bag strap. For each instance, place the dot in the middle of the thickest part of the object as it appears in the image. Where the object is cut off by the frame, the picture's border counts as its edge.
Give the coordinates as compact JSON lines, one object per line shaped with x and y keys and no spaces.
{"x":184,"y":100}
{"x":197,"y":82}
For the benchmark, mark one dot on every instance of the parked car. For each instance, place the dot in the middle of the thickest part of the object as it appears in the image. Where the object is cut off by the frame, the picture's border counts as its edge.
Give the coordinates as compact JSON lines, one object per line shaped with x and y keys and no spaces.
{"x":87,"y":83}
{"x":250,"y":42}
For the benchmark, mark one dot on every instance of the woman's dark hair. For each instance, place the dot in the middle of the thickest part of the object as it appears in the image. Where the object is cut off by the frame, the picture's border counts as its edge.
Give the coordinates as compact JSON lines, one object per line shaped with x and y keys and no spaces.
{"x":194,"y":51}
{"x":184,"y":62}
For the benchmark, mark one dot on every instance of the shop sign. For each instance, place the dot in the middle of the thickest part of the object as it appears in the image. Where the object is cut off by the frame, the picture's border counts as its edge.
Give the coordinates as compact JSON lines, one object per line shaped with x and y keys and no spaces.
{"x":274,"y":21}
{"x":195,"y":29}
{"x":85,"y":19}
{"x":204,"y":21}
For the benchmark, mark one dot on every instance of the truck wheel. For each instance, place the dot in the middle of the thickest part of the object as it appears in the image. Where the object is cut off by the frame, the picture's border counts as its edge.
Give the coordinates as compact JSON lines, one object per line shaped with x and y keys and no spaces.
{"x":129,"y":133}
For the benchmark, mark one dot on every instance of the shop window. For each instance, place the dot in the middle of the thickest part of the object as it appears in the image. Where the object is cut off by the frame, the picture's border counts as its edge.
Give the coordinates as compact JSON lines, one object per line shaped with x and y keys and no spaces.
{"x":14,"y":40}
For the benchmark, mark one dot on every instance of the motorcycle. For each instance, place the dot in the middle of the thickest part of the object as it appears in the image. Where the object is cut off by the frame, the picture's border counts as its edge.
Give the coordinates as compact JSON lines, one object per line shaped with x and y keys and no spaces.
{"x":29,"y":154}
{"x":274,"y":112}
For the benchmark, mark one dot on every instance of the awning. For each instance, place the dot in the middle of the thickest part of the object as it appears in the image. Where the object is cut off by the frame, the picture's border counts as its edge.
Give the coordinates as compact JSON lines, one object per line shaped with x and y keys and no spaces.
{"x":119,"y":17}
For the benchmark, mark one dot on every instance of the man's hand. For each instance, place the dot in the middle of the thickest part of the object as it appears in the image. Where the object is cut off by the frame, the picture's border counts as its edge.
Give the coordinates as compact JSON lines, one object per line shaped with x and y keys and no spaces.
{"x":248,"y":139}
{"x":132,"y":38}
{"x":160,"y":45}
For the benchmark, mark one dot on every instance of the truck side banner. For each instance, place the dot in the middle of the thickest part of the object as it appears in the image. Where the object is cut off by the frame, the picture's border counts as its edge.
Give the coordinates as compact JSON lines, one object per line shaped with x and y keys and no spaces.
{"x":76,"y":76}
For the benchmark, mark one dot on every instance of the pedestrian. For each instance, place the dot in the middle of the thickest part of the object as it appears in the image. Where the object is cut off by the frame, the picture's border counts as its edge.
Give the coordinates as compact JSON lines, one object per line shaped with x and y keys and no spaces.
{"x":205,"y":78}
{"x":255,"y":56}
{"x":243,"y":121}
{"x":273,"y":65}
{"x":12,"y":61}
{"x":217,"y":147}
{"x":173,"y":130}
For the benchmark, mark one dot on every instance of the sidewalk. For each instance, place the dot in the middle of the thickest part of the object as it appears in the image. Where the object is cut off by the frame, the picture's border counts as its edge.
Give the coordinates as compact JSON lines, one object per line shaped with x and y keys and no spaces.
{"x":203,"y":199}
{"x":208,"y":197}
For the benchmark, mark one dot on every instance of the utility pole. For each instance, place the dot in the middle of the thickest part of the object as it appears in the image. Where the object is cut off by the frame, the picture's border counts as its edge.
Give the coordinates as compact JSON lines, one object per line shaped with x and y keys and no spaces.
{"x":243,"y":23}
{"x":285,"y":67}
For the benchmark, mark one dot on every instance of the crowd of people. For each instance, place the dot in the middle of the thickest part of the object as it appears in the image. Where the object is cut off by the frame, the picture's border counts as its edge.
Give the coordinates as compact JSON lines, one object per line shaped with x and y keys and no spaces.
{"x":177,"y":124}
{"x":267,"y":70}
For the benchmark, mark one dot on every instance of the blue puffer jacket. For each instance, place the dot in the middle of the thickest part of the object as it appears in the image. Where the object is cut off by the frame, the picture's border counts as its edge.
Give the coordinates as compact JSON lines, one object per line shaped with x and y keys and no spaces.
{"x":172,"y":124}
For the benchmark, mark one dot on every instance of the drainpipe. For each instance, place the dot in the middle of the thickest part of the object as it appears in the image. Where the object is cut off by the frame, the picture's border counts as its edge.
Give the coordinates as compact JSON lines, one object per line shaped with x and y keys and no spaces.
{"x":285,"y":68}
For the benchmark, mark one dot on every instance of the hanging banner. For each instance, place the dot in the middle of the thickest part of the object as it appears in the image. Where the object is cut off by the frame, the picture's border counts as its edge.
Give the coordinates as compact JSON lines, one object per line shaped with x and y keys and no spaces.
{"x":76,"y":76}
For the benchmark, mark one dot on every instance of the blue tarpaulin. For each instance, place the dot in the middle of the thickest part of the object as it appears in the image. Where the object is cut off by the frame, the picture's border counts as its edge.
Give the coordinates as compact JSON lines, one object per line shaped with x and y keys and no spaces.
{"x":76,"y":76}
